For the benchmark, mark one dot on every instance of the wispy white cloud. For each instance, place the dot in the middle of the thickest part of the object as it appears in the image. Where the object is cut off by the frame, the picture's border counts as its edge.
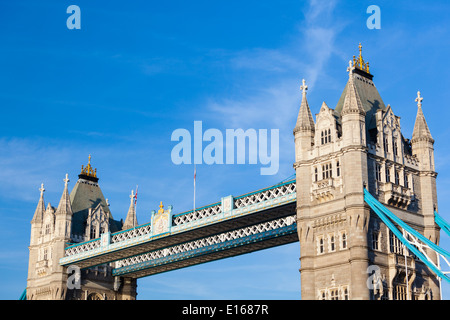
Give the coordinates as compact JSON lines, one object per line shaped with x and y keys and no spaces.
{"x":272,"y":96}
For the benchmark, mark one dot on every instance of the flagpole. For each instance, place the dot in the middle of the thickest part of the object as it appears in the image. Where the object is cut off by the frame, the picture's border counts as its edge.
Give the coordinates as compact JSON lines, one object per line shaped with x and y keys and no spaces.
{"x":195,"y":176}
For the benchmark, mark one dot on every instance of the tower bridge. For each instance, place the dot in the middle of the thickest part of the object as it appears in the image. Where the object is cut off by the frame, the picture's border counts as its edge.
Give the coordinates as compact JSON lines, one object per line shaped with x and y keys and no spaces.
{"x":363,"y":198}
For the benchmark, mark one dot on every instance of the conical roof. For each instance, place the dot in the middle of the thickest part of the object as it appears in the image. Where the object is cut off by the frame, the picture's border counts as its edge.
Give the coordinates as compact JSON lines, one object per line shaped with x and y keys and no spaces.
{"x":305,"y":119}
{"x":40,"y":209}
{"x":360,"y":81}
{"x":131,"y":219}
{"x":64,"y":206}
{"x":352,"y":102}
{"x":421,"y":130}
{"x":86,"y":195}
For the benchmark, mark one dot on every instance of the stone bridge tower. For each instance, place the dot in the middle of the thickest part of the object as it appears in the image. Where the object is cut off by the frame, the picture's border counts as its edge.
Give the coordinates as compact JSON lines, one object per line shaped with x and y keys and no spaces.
{"x":360,"y":145}
{"x":81,"y":216}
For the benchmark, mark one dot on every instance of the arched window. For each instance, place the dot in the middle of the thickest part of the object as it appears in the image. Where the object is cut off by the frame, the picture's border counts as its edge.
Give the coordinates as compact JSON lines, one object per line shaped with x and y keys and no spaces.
{"x":93,"y":234}
{"x":344,"y":240}
{"x":321,"y":245}
{"x":332,"y":243}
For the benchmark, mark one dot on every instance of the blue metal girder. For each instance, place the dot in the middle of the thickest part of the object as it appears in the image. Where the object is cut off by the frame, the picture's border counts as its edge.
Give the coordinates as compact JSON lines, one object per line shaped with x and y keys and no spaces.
{"x":208,"y":250}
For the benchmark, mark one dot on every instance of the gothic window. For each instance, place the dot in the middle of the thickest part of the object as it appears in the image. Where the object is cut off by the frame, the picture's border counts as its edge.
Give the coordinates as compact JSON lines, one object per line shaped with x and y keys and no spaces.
{"x":378,"y":171}
{"x":400,"y":292}
{"x":388,"y":175}
{"x":94,"y":296}
{"x":321,"y":245}
{"x":386,"y":144}
{"x":395,"y":245}
{"x":397,"y":177}
{"x":45,"y":254}
{"x":338,"y":169}
{"x":345,"y":293}
{"x":326,"y":171}
{"x":375,"y":240}
{"x":93,"y":230}
{"x":332,"y":243}
{"x":316,"y":174}
{"x":395,"y":147}
{"x":325,"y":136}
{"x":47,"y":228}
{"x":334,"y":294}
{"x":344,"y":240}
{"x":406,"y":180}
{"x":323,"y":295}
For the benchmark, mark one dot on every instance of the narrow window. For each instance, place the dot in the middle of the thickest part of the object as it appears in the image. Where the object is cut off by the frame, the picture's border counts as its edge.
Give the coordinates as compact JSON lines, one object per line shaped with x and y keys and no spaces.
{"x":93,"y":232}
{"x":321,"y":245}
{"x":406,"y":180}
{"x":378,"y":172}
{"x":322,"y":138}
{"x":397,"y":177}
{"x":338,"y":169}
{"x":316,"y":174}
{"x":344,"y":240}
{"x":375,"y":242}
{"x":345,"y":293}
{"x":332,"y":243}
{"x":388,"y":175}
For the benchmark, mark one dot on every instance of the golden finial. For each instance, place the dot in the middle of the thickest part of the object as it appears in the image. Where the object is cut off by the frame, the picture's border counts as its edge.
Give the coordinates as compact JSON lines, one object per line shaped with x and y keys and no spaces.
{"x":161,"y":210}
{"x":359,"y":62}
{"x":88,"y":169}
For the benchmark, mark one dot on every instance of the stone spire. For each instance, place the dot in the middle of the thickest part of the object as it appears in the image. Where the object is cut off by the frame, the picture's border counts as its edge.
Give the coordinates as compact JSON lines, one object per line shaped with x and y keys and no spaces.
{"x":352,"y":102}
{"x":305,"y":119}
{"x":421,"y":130}
{"x":40,"y":209}
{"x":65,"y":206}
{"x":131,"y":220}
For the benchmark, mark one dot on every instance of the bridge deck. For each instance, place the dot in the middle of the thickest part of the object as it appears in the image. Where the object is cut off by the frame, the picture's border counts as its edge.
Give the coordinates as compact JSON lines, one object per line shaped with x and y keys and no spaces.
{"x":230,"y":214}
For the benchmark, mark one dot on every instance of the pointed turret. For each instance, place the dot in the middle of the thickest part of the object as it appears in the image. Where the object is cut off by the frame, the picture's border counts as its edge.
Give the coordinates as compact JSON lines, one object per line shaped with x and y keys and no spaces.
{"x":421,"y":130}
{"x":305,"y":120}
{"x":304,"y":128}
{"x":352,"y":101}
{"x":422,"y":141}
{"x":38,"y":218}
{"x":64,"y":206}
{"x":63,"y":214}
{"x":40,"y":209}
{"x":131,"y":220}
{"x":353,"y":114}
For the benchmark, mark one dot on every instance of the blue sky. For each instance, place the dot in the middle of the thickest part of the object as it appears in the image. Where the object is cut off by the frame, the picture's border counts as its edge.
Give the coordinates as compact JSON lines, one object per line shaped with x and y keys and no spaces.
{"x":137,"y":70}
